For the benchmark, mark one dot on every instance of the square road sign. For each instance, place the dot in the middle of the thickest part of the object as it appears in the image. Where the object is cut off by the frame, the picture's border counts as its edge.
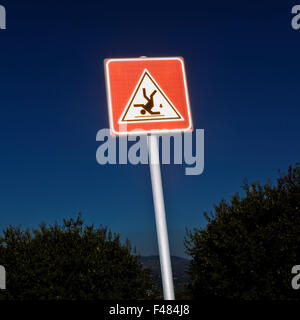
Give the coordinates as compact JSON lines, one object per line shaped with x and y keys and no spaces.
{"x":147,"y":95}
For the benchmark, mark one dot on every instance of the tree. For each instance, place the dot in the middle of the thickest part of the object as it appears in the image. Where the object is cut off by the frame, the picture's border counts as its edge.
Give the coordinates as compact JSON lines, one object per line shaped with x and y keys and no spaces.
{"x":250,"y":244}
{"x":71,"y":261}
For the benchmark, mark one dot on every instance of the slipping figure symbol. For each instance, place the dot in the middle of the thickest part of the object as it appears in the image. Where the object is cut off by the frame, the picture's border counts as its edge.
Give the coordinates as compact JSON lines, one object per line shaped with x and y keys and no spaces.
{"x":149,"y":105}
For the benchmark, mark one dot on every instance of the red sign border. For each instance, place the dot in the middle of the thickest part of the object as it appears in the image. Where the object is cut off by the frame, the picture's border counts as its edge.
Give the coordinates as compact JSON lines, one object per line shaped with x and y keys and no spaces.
{"x":157,"y":131}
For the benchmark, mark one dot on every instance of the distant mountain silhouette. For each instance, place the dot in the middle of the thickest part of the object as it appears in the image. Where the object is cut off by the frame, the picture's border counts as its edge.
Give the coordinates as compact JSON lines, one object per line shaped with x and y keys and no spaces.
{"x":179,"y":266}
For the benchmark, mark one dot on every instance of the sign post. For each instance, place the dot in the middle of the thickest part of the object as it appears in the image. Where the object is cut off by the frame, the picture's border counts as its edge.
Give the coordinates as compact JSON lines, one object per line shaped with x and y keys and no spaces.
{"x":160,"y":218}
{"x":150,"y":96}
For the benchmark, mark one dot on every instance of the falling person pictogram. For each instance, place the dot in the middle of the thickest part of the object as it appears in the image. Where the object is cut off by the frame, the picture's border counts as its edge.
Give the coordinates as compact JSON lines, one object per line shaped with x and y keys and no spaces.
{"x":149,"y":105}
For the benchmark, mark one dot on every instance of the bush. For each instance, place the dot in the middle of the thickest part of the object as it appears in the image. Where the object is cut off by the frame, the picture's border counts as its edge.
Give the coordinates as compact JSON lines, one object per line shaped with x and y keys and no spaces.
{"x":249,"y":246}
{"x":71,"y":261}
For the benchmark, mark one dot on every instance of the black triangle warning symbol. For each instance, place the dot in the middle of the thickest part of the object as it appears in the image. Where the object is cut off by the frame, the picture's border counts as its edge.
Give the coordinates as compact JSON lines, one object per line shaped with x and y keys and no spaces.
{"x":149,"y":103}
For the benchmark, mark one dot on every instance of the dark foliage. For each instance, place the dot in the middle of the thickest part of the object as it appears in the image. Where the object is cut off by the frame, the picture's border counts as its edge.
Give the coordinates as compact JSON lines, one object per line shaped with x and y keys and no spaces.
{"x":181,"y":279}
{"x":71,"y":261}
{"x":249,"y":246}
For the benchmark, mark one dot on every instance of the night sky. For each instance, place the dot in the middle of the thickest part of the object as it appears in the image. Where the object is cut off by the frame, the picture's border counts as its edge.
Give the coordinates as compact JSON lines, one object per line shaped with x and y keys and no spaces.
{"x":242,"y":62}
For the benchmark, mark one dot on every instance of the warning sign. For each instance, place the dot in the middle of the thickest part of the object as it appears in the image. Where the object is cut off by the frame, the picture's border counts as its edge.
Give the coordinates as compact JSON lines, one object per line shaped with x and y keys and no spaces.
{"x":149,"y":103}
{"x":147,"y":95}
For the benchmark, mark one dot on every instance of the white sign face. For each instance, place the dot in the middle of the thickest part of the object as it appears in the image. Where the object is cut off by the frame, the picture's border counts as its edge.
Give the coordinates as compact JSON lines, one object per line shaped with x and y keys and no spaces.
{"x":148,"y":103}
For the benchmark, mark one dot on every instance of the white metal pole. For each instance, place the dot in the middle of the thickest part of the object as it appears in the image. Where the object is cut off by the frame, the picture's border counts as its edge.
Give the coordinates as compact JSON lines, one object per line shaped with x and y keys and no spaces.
{"x":160,"y":218}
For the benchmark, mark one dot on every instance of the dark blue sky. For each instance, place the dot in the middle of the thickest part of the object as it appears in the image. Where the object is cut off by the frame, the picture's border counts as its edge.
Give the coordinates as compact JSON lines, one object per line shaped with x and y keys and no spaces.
{"x":243,"y":67}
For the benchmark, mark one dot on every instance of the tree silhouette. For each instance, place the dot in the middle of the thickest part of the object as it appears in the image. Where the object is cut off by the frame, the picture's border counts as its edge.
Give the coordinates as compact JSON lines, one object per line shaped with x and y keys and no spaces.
{"x":249,"y":246}
{"x":71,"y":261}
